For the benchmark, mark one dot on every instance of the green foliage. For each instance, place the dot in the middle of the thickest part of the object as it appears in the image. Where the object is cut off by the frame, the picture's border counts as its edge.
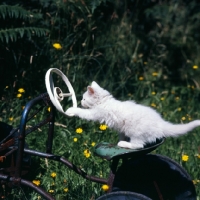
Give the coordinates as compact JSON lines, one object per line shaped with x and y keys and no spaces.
{"x":13,"y":34}
{"x":138,"y":50}
{"x":16,"y":12}
{"x":94,"y":4}
{"x":178,"y":34}
{"x":16,"y":33}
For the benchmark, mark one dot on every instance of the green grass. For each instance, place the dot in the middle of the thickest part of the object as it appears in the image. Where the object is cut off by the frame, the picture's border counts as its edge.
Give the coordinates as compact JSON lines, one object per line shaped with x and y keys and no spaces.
{"x":174,"y":107}
{"x":129,"y":48}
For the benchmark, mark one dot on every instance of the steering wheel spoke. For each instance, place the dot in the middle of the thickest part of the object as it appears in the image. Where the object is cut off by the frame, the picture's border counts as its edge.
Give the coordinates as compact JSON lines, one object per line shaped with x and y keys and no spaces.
{"x":55,"y":93}
{"x":67,"y":94}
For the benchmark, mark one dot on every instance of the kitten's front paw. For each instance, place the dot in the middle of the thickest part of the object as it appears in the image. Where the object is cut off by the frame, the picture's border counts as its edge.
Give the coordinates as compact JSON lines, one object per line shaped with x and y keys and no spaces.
{"x":71,"y":111}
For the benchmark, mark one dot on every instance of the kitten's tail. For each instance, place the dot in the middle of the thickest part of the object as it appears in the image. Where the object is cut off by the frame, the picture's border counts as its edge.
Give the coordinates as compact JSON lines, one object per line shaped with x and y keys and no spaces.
{"x":175,"y":130}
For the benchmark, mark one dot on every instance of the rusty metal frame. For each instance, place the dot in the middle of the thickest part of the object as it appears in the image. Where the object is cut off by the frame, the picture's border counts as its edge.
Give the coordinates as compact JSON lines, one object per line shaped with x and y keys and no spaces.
{"x":19,"y":148}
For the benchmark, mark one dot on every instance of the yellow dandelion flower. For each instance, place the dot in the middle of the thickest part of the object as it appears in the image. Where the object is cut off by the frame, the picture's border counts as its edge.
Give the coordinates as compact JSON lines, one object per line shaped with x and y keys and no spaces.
{"x":177,"y":98}
{"x":53,"y":174}
{"x":93,"y":144}
{"x":87,"y":153}
{"x":153,"y":93}
{"x":75,"y":139}
{"x":154,"y":74}
{"x":21,"y":90}
{"x":183,"y":118}
{"x":51,"y":191}
{"x":103,"y":127}
{"x":198,"y":156}
{"x":79,"y":130}
{"x":39,"y":197}
{"x":145,"y":63}
{"x":19,"y":95}
{"x":36,"y":182}
{"x":49,"y":109}
{"x":195,"y":67}
{"x":185,"y":158}
{"x":66,"y":189}
{"x":179,"y":109}
{"x":23,"y":107}
{"x":141,"y":78}
{"x":11,"y":118}
{"x":57,"y":46}
{"x":7,"y":87}
{"x":162,"y":98}
{"x":153,"y":105}
{"x":105,"y":187}
{"x":194,"y":182}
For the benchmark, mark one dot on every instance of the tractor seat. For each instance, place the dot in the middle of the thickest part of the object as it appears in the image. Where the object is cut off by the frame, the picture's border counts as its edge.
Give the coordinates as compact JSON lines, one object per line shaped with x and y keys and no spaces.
{"x":110,"y":151}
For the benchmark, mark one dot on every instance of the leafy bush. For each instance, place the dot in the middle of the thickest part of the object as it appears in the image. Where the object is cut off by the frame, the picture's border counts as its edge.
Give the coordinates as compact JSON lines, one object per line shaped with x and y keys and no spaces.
{"x":146,"y":51}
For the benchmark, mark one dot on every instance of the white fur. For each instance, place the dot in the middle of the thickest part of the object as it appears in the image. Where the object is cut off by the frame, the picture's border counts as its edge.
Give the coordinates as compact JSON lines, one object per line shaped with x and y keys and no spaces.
{"x":140,"y":123}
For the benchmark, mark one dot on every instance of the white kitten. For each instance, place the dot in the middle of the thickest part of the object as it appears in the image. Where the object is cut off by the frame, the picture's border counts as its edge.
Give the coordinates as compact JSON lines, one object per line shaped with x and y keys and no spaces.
{"x":140,"y":123}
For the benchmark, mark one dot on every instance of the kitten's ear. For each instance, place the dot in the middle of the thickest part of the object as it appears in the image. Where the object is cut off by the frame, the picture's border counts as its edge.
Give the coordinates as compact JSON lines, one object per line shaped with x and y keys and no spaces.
{"x":90,"y":90}
{"x":95,"y":84}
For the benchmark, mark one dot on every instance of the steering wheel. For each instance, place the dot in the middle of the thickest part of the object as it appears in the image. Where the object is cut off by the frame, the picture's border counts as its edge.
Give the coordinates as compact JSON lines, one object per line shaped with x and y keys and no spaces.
{"x":55,"y":93}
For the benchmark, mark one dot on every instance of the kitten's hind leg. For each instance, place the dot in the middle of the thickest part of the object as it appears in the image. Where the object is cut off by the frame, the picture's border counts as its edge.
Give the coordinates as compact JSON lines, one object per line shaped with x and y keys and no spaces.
{"x":135,"y":145}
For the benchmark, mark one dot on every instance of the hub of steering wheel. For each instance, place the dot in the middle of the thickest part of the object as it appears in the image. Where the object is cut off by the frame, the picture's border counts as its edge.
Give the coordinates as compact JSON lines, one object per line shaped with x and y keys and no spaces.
{"x":58,"y":94}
